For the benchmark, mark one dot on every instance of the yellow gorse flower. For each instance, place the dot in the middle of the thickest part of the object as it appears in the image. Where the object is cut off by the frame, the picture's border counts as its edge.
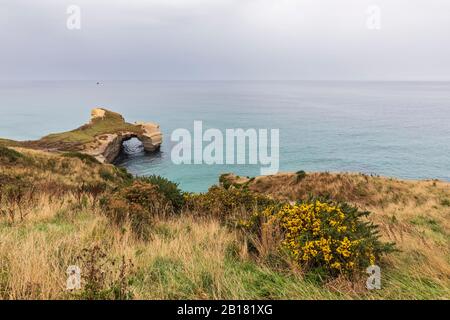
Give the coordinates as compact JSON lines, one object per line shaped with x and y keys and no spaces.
{"x":316,"y":233}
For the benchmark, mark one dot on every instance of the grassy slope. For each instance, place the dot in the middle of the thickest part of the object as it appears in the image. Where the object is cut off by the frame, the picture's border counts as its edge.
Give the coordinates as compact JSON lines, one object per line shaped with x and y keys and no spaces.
{"x":8,"y":142}
{"x":198,"y":258}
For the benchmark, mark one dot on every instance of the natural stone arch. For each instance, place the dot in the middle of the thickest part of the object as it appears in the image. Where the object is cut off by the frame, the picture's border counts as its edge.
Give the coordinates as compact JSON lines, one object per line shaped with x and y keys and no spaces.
{"x":107,"y":147}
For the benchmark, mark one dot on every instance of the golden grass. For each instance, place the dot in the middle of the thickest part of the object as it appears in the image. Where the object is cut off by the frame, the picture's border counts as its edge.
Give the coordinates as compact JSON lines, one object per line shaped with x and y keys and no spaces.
{"x":48,"y":170}
{"x":35,"y":253}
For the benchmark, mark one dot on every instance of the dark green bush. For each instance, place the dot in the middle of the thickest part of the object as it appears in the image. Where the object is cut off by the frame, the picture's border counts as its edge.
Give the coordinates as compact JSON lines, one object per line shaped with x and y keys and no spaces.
{"x":224,"y":182}
{"x":168,"y":188}
{"x":226,"y":203}
{"x":137,"y":205}
{"x":300,"y":175}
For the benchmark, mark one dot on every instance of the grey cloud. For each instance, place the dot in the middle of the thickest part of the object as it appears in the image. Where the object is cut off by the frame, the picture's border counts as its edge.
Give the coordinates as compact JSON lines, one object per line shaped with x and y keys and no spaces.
{"x":225,"y":39}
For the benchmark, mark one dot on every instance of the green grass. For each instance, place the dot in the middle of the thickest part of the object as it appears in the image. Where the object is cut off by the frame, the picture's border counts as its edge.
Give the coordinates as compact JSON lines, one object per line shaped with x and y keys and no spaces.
{"x":111,"y":123}
{"x":397,"y":284}
{"x":429,"y":223}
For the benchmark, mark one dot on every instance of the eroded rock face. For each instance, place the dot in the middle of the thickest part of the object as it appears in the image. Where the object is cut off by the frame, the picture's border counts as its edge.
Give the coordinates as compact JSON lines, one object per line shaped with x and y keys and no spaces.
{"x":107,"y":147}
{"x":151,"y":136}
{"x":97,"y":113}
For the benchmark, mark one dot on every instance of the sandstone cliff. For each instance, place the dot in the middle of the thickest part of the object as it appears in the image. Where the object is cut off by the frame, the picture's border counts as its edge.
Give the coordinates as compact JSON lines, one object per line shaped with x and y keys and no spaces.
{"x":107,"y":146}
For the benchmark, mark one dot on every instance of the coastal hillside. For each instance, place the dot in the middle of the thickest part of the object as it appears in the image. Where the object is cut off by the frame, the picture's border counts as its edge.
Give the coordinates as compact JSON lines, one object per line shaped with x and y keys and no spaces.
{"x":143,"y":238}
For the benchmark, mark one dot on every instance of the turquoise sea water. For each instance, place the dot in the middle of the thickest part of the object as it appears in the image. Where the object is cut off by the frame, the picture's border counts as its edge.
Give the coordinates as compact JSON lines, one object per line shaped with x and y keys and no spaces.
{"x":399,"y":129}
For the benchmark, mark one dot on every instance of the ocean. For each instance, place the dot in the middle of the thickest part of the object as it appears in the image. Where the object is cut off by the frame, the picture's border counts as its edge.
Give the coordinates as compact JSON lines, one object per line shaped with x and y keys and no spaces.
{"x":398,"y":129}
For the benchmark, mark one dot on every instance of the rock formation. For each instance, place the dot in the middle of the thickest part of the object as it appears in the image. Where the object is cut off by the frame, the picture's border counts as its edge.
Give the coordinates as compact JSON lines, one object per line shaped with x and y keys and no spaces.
{"x":106,"y":147}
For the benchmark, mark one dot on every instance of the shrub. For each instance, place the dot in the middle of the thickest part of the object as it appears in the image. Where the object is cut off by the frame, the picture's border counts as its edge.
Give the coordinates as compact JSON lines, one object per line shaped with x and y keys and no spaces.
{"x":300,"y":175}
{"x":144,"y":194}
{"x":137,"y":205}
{"x":102,"y":278}
{"x":15,"y":198}
{"x":227,"y":203}
{"x":168,"y":188}
{"x":224,"y":182}
{"x":115,"y":174}
{"x":228,"y":181}
{"x":318,"y":235}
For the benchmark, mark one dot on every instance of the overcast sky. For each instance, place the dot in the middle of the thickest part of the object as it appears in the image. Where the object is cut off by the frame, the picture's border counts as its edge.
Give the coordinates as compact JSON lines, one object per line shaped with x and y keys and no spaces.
{"x":225,"y":39}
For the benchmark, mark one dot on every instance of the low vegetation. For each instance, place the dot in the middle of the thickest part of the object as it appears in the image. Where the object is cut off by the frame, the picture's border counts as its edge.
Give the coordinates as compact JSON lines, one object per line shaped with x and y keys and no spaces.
{"x":293,"y":236}
{"x":136,"y":205}
{"x":169,"y":189}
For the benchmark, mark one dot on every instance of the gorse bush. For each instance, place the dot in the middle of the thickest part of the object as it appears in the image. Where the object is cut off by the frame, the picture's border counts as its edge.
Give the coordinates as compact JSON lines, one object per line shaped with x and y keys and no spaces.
{"x":300,"y":175}
{"x":224,"y":203}
{"x":223,"y":180}
{"x":137,"y":205}
{"x":168,"y":188}
{"x":144,"y":194}
{"x":322,"y":236}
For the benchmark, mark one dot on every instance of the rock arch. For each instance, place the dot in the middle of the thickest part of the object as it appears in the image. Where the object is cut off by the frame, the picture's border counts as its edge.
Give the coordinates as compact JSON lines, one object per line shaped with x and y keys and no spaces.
{"x":106,"y":147}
